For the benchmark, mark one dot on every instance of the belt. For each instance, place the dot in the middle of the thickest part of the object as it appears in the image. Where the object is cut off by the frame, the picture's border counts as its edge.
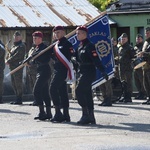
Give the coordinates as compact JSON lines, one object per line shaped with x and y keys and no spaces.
{"x":84,"y":64}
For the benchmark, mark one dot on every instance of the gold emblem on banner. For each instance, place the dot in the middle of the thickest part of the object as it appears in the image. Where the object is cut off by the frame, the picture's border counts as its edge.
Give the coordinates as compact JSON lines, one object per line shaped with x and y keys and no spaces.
{"x":103,"y":48}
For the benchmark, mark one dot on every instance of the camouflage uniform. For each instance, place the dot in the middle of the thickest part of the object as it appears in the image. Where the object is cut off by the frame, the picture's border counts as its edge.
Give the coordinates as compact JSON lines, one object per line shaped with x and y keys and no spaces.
{"x":2,"y":66}
{"x":126,"y":53}
{"x":31,"y":71}
{"x":138,"y":74}
{"x":146,"y":68}
{"x":106,"y":89}
{"x":16,"y":55}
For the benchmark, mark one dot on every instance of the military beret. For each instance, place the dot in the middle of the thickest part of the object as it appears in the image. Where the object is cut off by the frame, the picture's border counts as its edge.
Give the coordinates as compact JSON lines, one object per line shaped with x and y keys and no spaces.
{"x":83,"y":28}
{"x":38,"y":34}
{"x":124,"y":35}
{"x":147,"y":29}
{"x":17,"y":33}
{"x":58,"y":28}
{"x":139,"y":35}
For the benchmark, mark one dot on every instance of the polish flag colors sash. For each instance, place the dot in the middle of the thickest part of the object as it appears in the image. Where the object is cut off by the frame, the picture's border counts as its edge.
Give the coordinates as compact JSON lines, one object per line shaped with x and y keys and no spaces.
{"x":67,"y":64}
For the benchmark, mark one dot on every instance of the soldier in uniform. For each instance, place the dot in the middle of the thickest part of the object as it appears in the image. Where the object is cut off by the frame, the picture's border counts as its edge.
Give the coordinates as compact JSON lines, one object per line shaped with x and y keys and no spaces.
{"x":126,"y":53}
{"x":138,"y":73}
{"x":41,"y":87}
{"x":31,"y":72}
{"x":2,"y":67}
{"x":13,"y":59}
{"x":87,"y":58}
{"x":61,"y":54}
{"x":146,"y":68}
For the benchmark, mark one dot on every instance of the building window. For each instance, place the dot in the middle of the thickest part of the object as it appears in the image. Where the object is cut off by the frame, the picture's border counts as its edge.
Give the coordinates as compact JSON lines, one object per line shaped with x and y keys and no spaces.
{"x":140,"y":30}
{"x":148,"y":21}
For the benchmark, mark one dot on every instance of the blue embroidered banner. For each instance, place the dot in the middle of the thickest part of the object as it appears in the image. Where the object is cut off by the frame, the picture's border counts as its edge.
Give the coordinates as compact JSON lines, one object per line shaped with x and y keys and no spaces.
{"x":99,"y":34}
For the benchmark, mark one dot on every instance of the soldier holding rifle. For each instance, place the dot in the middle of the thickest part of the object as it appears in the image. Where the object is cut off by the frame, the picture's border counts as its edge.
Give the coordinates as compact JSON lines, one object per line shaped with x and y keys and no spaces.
{"x":13,"y":59}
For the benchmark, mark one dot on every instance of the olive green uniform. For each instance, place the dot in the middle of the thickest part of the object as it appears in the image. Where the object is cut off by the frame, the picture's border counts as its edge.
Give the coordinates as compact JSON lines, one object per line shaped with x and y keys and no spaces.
{"x":126,"y":53}
{"x":16,"y":55}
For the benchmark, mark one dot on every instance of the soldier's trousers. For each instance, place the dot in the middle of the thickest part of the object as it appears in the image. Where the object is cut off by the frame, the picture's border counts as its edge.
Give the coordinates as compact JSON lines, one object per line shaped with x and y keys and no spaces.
{"x":58,"y":89}
{"x":146,"y":75}
{"x":84,"y":91}
{"x":17,"y":83}
{"x":138,"y":77}
{"x":106,"y":89}
{"x":41,"y":87}
{"x":127,"y":77}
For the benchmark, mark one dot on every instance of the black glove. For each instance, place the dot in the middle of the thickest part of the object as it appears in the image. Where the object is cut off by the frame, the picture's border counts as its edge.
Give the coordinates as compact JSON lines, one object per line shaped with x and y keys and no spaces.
{"x":104,"y":74}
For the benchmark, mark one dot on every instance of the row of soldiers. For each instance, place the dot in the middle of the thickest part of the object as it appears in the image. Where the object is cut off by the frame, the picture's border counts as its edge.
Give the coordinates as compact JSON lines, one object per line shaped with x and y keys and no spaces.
{"x":13,"y":58}
{"x":127,"y":58}
{"x":85,"y":61}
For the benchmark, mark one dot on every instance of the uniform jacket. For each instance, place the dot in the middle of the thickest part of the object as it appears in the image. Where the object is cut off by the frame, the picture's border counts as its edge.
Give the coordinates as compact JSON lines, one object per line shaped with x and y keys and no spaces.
{"x":66,"y":49}
{"x":126,"y":54}
{"x":17,"y":55}
{"x":146,"y":55}
{"x":43,"y":60}
{"x":87,"y":57}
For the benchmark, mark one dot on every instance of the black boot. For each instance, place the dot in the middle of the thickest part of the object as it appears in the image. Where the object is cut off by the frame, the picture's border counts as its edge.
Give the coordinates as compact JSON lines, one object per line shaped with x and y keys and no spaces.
{"x":18,"y":101}
{"x":85,"y":119}
{"x":124,"y":87}
{"x":91,"y":116}
{"x":147,"y":102}
{"x":34,"y":103}
{"x":1,"y":100}
{"x":48,"y":112}
{"x":141,"y":96}
{"x":58,"y":117}
{"x":66,"y":114}
{"x":128,"y":98}
{"x":107,"y":102}
{"x":42,"y":115}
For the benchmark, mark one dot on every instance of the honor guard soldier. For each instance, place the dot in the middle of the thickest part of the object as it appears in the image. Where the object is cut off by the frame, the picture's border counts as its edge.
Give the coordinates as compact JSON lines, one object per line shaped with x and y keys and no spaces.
{"x":61,"y":54}
{"x":13,"y":59}
{"x":2,"y":67}
{"x":41,"y":87}
{"x":87,"y":58}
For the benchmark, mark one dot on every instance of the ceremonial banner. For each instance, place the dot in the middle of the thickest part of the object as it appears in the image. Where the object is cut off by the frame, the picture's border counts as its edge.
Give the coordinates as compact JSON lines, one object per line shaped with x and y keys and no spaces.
{"x":99,"y":34}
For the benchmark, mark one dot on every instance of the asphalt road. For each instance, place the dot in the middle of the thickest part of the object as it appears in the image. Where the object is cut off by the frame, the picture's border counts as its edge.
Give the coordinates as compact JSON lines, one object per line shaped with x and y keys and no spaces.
{"x":120,"y":127}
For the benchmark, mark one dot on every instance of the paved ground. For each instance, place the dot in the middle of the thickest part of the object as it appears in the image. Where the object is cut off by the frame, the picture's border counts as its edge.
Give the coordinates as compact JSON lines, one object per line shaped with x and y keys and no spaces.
{"x":120,"y":127}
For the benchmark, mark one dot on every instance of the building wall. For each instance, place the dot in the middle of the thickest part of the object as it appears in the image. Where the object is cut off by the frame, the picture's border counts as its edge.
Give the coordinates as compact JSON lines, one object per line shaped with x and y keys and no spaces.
{"x":136,"y":23}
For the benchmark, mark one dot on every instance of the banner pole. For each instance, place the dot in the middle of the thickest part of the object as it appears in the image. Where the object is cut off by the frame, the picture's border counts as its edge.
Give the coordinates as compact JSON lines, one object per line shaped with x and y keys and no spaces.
{"x":46,"y":49}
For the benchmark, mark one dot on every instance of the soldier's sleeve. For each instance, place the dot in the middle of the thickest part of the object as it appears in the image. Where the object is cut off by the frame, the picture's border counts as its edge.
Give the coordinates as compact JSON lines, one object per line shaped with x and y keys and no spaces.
{"x":94,"y":56}
{"x":147,"y":51}
{"x":133,"y":52}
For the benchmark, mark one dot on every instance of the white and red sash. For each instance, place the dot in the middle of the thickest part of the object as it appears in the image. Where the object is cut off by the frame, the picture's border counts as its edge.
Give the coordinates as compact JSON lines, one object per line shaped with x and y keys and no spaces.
{"x":67,"y":64}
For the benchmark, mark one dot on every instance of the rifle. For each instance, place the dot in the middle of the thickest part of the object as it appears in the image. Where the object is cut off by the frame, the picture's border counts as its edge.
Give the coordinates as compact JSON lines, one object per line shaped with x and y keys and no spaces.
{"x":6,"y":47}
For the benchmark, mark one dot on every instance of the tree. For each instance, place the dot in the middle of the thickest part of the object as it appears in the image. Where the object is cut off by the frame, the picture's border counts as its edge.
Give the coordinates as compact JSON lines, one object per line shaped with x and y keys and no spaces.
{"x":101,"y":4}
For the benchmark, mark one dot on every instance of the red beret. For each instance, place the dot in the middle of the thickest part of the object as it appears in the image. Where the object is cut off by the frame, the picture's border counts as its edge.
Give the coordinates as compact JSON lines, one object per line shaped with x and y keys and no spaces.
{"x":58,"y":28}
{"x":84,"y":28}
{"x":38,"y":34}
